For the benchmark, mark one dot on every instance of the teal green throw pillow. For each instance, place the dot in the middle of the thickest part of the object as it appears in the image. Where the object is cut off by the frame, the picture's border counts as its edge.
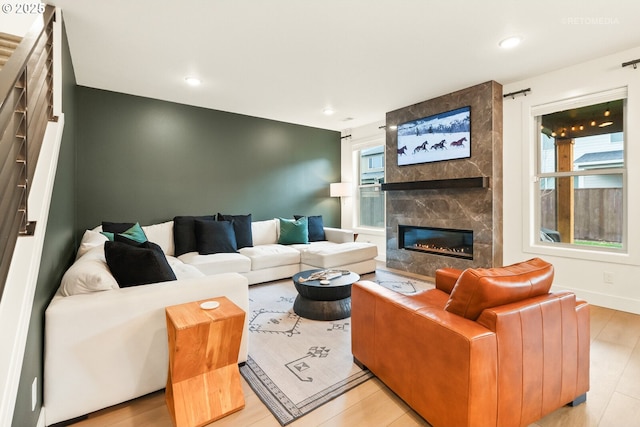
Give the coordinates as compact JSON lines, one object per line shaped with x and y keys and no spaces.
{"x":293,"y":231}
{"x":135,"y":233}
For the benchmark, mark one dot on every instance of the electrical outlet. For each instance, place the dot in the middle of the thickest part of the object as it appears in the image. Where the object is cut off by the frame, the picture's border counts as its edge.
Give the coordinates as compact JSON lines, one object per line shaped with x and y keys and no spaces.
{"x":34,"y":393}
{"x":608,"y":277}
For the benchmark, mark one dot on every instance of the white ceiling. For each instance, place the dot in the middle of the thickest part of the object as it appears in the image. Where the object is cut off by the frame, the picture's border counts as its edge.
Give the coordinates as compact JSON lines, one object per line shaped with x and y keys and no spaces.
{"x":289,"y":59}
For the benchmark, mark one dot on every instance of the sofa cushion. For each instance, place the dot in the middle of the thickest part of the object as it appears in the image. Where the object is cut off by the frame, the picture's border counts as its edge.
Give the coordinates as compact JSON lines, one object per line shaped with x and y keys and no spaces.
{"x":242,"y":228}
{"x":479,"y":288}
{"x":214,"y":237}
{"x":329,"y":254}
{"x":274,"y":255}
{"x":315,"y":226}
{"x":137,"y":265}
{"x":184,"y":234}
{"x":182,"y":270}
{"x":293,"y":231}
{"x":162,"y":235}
{"x":264,"y":232}
{"x":88,"y":274}
{"x":217,"y":263}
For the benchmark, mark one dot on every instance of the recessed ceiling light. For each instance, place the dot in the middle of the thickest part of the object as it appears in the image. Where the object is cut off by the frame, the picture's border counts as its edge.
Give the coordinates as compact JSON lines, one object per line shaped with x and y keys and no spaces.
{"x":193,"y":81}
{"x":605,"y":124}
{"x":328,"y":111}
{"x":510,"y":42}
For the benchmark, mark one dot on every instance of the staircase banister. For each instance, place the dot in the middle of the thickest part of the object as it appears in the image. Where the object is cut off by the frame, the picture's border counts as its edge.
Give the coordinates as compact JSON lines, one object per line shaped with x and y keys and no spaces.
{"x":18,"y":60}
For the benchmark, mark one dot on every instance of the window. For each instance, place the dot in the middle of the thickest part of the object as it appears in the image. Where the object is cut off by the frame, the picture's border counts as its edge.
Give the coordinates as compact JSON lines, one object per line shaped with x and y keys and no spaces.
{"x":370,"y":196}
{"x":581,"y":177}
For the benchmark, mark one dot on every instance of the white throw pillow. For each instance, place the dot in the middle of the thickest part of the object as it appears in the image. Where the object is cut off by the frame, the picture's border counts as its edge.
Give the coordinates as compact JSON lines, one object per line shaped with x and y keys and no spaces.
{"x":264,"y":232}
{"x":90,"y":240}
{"x":162,"y":235}
{"x":88,"y":274}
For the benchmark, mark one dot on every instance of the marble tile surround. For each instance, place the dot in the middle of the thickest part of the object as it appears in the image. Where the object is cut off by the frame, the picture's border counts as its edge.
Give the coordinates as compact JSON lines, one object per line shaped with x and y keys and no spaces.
{"x":477,"y":209}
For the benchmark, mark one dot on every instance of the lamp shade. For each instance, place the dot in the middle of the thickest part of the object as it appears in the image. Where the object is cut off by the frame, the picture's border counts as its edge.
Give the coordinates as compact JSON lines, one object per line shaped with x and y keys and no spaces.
{"x":340,"y":189}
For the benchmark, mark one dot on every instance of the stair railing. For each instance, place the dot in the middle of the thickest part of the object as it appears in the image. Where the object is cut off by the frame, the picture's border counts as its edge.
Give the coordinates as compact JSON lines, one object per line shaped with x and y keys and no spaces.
{"x":26,"y":105}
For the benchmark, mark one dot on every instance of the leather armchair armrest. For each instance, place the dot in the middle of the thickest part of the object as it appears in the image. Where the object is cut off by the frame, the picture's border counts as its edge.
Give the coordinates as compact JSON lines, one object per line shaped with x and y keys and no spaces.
{"x":459,"y":369}
{"x":543,"y":344}
{"x":438,"y":362}
{"x":446,"y":278}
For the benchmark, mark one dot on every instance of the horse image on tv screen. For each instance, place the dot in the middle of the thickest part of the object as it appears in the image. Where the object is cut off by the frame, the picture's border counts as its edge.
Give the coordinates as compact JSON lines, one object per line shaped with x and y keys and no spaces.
{"x":444,"y":136}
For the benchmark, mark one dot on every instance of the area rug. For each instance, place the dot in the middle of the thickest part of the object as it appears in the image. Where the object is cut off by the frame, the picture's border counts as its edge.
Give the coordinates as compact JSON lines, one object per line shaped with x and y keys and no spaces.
{"x":396,"y":282}
{"x":295,"y":364}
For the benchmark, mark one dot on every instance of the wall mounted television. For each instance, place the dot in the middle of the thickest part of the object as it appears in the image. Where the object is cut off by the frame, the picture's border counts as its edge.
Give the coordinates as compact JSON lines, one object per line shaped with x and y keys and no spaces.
{"x":443,"y":136}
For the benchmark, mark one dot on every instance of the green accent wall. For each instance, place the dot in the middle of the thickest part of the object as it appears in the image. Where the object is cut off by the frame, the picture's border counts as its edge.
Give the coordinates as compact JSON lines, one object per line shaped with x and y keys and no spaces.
{"x":128,"y":158}
{"x":57,"y":253}
{"x":147,"y":160}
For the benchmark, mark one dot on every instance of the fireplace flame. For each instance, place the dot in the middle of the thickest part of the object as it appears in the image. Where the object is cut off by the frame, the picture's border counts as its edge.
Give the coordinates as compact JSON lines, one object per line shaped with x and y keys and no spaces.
{"x":442,"y":248}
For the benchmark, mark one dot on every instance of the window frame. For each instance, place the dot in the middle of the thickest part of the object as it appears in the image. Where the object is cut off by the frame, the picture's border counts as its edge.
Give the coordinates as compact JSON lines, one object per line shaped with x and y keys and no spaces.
{"x":356,"y":157}
{"x":532,"y":191}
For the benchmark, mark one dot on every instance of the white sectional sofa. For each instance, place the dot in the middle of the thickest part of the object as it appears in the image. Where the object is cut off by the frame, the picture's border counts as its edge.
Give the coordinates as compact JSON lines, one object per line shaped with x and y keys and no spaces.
{"x":105,"y":344}
{"x":267,"y":260}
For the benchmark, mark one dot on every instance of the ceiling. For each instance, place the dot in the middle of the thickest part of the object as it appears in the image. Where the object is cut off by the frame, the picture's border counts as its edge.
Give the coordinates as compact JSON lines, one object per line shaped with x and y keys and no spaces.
{"x":287,"y":60}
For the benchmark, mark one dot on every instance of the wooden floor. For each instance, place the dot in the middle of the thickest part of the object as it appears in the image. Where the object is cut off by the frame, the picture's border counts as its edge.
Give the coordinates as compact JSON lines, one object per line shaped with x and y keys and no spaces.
{"x":614,"y":398}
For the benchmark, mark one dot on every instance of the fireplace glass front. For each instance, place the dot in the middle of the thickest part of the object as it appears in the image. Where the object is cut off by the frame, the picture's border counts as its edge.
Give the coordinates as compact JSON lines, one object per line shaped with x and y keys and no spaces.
{"x":440,"y":241}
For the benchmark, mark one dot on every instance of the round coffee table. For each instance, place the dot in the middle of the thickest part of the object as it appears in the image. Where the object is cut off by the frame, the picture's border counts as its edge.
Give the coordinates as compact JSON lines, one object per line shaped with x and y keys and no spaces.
{"x":318,"y":301}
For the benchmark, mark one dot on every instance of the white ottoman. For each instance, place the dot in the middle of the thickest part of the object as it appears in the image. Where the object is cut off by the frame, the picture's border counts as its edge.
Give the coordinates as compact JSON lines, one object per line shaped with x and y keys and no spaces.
{"x":343,"y":255}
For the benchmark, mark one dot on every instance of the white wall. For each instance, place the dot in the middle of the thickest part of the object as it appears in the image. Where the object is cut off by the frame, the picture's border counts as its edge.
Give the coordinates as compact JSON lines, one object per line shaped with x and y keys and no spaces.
{"x":362,"y":137}
{"x":582,"y":273}
{"x":14,"y":20}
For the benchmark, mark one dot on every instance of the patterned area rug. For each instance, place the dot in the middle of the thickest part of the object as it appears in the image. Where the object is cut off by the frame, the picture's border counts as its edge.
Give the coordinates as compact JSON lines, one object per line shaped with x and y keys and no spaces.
{"x":398,"y":283}
{"x":295,"y":364}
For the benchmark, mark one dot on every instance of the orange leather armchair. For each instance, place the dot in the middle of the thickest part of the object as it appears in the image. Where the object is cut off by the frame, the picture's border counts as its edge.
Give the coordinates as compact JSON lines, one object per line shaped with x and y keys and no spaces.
{"x":486,"y":347}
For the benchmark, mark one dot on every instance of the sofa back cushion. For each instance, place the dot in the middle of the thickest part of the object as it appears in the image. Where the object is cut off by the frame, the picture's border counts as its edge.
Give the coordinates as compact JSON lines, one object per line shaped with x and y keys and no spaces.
{"x":264,"y":232}
{"x":162,"y":235}
{"x":481,"y":288}
{"x":90,"y":240}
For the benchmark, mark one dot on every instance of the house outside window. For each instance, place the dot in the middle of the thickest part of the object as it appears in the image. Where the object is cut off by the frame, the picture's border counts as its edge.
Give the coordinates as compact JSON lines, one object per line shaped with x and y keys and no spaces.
{"x":370,"y":205}
{"x":581,"y":177}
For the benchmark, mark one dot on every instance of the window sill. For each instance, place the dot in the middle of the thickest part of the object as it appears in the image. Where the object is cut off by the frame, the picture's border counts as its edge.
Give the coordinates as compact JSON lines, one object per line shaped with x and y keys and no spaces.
{"x":567,"y":251}
{"x":370,"y":230}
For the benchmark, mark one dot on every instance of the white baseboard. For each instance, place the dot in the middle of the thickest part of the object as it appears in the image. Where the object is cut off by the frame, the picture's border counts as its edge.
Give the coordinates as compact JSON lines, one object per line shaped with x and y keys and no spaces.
{"x":614,"y":302}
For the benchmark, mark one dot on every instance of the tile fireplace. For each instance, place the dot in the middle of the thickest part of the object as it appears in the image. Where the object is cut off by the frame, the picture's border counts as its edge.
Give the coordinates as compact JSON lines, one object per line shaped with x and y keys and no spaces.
{"x":451,"y":208}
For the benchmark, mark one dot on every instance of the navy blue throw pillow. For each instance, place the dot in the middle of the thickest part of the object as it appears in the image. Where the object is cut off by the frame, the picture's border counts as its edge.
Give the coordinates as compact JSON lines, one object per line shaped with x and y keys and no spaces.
{"x":242,"y":228}
{"x":316,"y":227}
{"x":133,"y":265}
{"x":184,"y":233}
{"x":116,"y":227}
{"x":215,"y":237}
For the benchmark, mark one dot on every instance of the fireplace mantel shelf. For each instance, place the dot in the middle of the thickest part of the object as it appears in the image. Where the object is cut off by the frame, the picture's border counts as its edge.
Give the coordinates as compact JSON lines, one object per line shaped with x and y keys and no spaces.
{"x":437,"y":184}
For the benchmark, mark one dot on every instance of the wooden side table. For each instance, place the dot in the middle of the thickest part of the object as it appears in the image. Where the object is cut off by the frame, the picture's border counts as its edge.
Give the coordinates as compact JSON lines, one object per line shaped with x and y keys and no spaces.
{"x":204,"y":381}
